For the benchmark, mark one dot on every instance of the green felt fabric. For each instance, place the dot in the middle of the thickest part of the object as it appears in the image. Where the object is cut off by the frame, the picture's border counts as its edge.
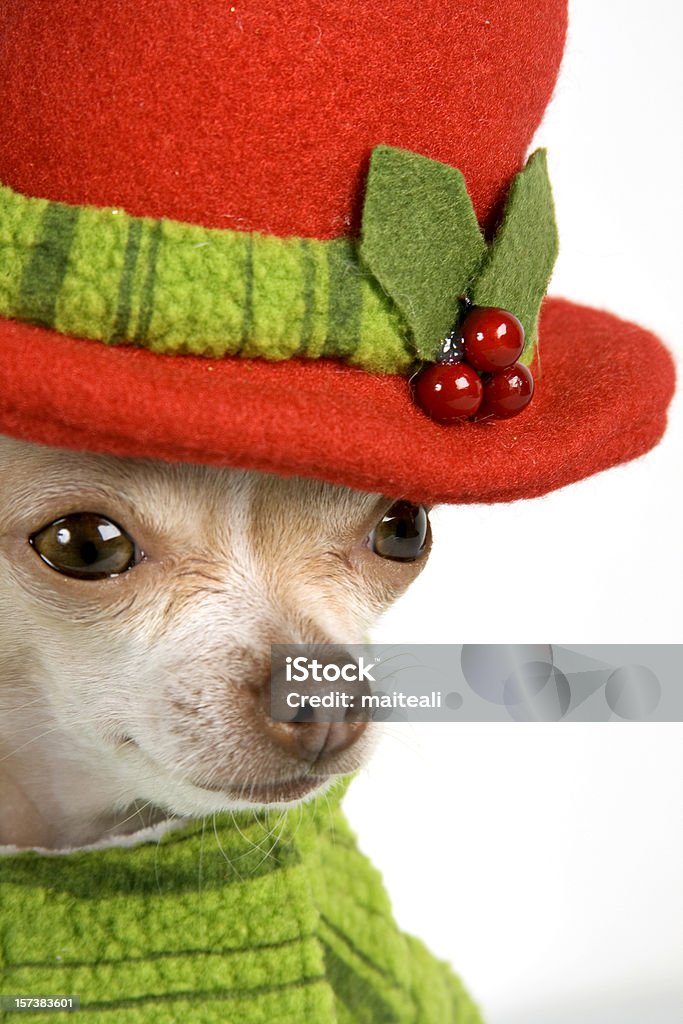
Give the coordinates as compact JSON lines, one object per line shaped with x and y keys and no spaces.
{"x":266,"y":919}
{"x":379,"y":303}
{"x":177,"y":288}
{"x":420,"y":240}
{"x":517,"y":269}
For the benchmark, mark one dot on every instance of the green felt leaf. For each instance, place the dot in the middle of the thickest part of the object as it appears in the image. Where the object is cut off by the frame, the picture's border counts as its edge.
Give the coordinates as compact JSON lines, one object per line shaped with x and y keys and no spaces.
{"x":520,"y":259}
{"x":420,"y":240}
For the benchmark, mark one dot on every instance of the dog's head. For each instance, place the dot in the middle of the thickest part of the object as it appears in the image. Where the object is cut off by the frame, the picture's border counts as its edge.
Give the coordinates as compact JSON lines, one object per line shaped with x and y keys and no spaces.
{"x":138,"y":604}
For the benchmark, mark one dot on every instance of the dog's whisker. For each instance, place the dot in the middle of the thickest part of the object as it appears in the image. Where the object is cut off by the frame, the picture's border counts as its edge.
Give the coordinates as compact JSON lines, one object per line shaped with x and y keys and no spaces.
{"x":247,"y":840}
{"x":270,"y":852}
{"x":199,"y":880}
{"x":296,"y":828}
{"x":136,"y":813}
{"x":220,"y":847}
{"x":329,"y":811}
{"x":34,"y":739}
{"x":280,"y":823}
{"x":9,"y":708}
{"x":172,"y":817}
{"x":400,"y":736}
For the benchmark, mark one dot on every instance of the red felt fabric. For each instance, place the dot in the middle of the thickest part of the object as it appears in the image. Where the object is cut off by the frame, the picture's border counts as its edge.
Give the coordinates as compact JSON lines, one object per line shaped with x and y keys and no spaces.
{"x":261,"y":116}
{"x":593,"y":407}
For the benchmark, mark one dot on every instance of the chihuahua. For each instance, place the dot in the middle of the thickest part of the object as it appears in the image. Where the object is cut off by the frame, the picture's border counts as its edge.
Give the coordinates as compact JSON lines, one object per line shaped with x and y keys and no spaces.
{"x":138,"y":604}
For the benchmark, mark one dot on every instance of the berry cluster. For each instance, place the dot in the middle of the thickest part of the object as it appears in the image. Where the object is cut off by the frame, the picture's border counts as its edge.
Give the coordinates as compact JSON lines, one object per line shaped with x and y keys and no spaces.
{"x":478,"y":376}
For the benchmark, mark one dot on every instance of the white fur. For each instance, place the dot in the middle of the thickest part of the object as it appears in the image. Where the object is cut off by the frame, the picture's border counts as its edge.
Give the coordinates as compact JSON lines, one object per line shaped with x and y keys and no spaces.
{"x":122,"y":700}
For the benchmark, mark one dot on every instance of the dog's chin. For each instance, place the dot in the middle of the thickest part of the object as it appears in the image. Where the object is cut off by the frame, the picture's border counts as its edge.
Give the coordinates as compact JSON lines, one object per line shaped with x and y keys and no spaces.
{"x":262,"y":794}
{"x":195,"y":798}
{"x":191,"y":799}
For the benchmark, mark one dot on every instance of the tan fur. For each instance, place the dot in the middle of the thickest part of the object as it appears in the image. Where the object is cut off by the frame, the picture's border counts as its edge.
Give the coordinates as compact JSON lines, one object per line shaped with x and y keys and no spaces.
{"x":126,"y":700}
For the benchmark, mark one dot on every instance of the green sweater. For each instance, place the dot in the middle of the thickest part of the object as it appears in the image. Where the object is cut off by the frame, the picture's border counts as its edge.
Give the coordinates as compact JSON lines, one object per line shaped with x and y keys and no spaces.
{"x":275,"y":918}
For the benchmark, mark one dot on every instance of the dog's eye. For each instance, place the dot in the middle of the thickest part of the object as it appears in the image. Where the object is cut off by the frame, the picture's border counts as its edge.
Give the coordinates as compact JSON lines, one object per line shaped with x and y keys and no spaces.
{"x":85,"y":545}
{"x":401,"y":536}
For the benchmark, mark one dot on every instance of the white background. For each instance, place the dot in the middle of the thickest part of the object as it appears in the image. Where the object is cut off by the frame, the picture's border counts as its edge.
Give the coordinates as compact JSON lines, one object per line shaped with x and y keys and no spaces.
{"x":545,"y":861}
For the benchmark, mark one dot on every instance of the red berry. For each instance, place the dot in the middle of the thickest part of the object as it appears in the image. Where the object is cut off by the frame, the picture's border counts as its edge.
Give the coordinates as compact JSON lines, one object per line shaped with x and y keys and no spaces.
{"x":448,"y":392}
{"x":493,"y":338}
{"x":507,"y":393}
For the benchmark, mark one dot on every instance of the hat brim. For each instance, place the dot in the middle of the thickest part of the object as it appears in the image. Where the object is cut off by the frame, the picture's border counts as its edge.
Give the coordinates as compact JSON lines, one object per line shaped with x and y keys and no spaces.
{"x":601,"y":399}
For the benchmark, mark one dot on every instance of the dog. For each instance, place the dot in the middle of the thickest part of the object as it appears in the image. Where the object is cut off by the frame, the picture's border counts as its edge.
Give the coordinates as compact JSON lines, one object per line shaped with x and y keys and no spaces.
{"x":138,"y":604}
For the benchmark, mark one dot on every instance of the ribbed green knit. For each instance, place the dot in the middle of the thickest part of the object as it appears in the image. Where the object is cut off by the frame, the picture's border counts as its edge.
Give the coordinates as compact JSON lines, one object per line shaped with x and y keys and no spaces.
{"x":268,"y":919}
{"x":379,"y":303}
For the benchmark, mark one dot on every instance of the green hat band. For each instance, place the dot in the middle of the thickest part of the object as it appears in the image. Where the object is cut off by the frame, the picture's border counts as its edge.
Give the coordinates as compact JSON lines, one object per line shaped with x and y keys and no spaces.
{"x":379,"y":303}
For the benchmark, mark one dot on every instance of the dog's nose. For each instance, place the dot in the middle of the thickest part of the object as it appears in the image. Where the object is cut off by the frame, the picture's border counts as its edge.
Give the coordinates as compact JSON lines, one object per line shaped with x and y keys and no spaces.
{"x":313,"y":741}
{"x":310,"y":733}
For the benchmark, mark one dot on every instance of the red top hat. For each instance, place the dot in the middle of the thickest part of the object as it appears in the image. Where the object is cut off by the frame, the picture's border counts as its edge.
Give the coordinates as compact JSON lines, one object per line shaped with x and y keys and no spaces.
{"x":258,"y":122}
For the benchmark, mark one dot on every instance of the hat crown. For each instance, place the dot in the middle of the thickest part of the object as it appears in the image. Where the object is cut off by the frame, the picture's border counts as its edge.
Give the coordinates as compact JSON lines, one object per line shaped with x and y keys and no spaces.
{"x":262,"y":117}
